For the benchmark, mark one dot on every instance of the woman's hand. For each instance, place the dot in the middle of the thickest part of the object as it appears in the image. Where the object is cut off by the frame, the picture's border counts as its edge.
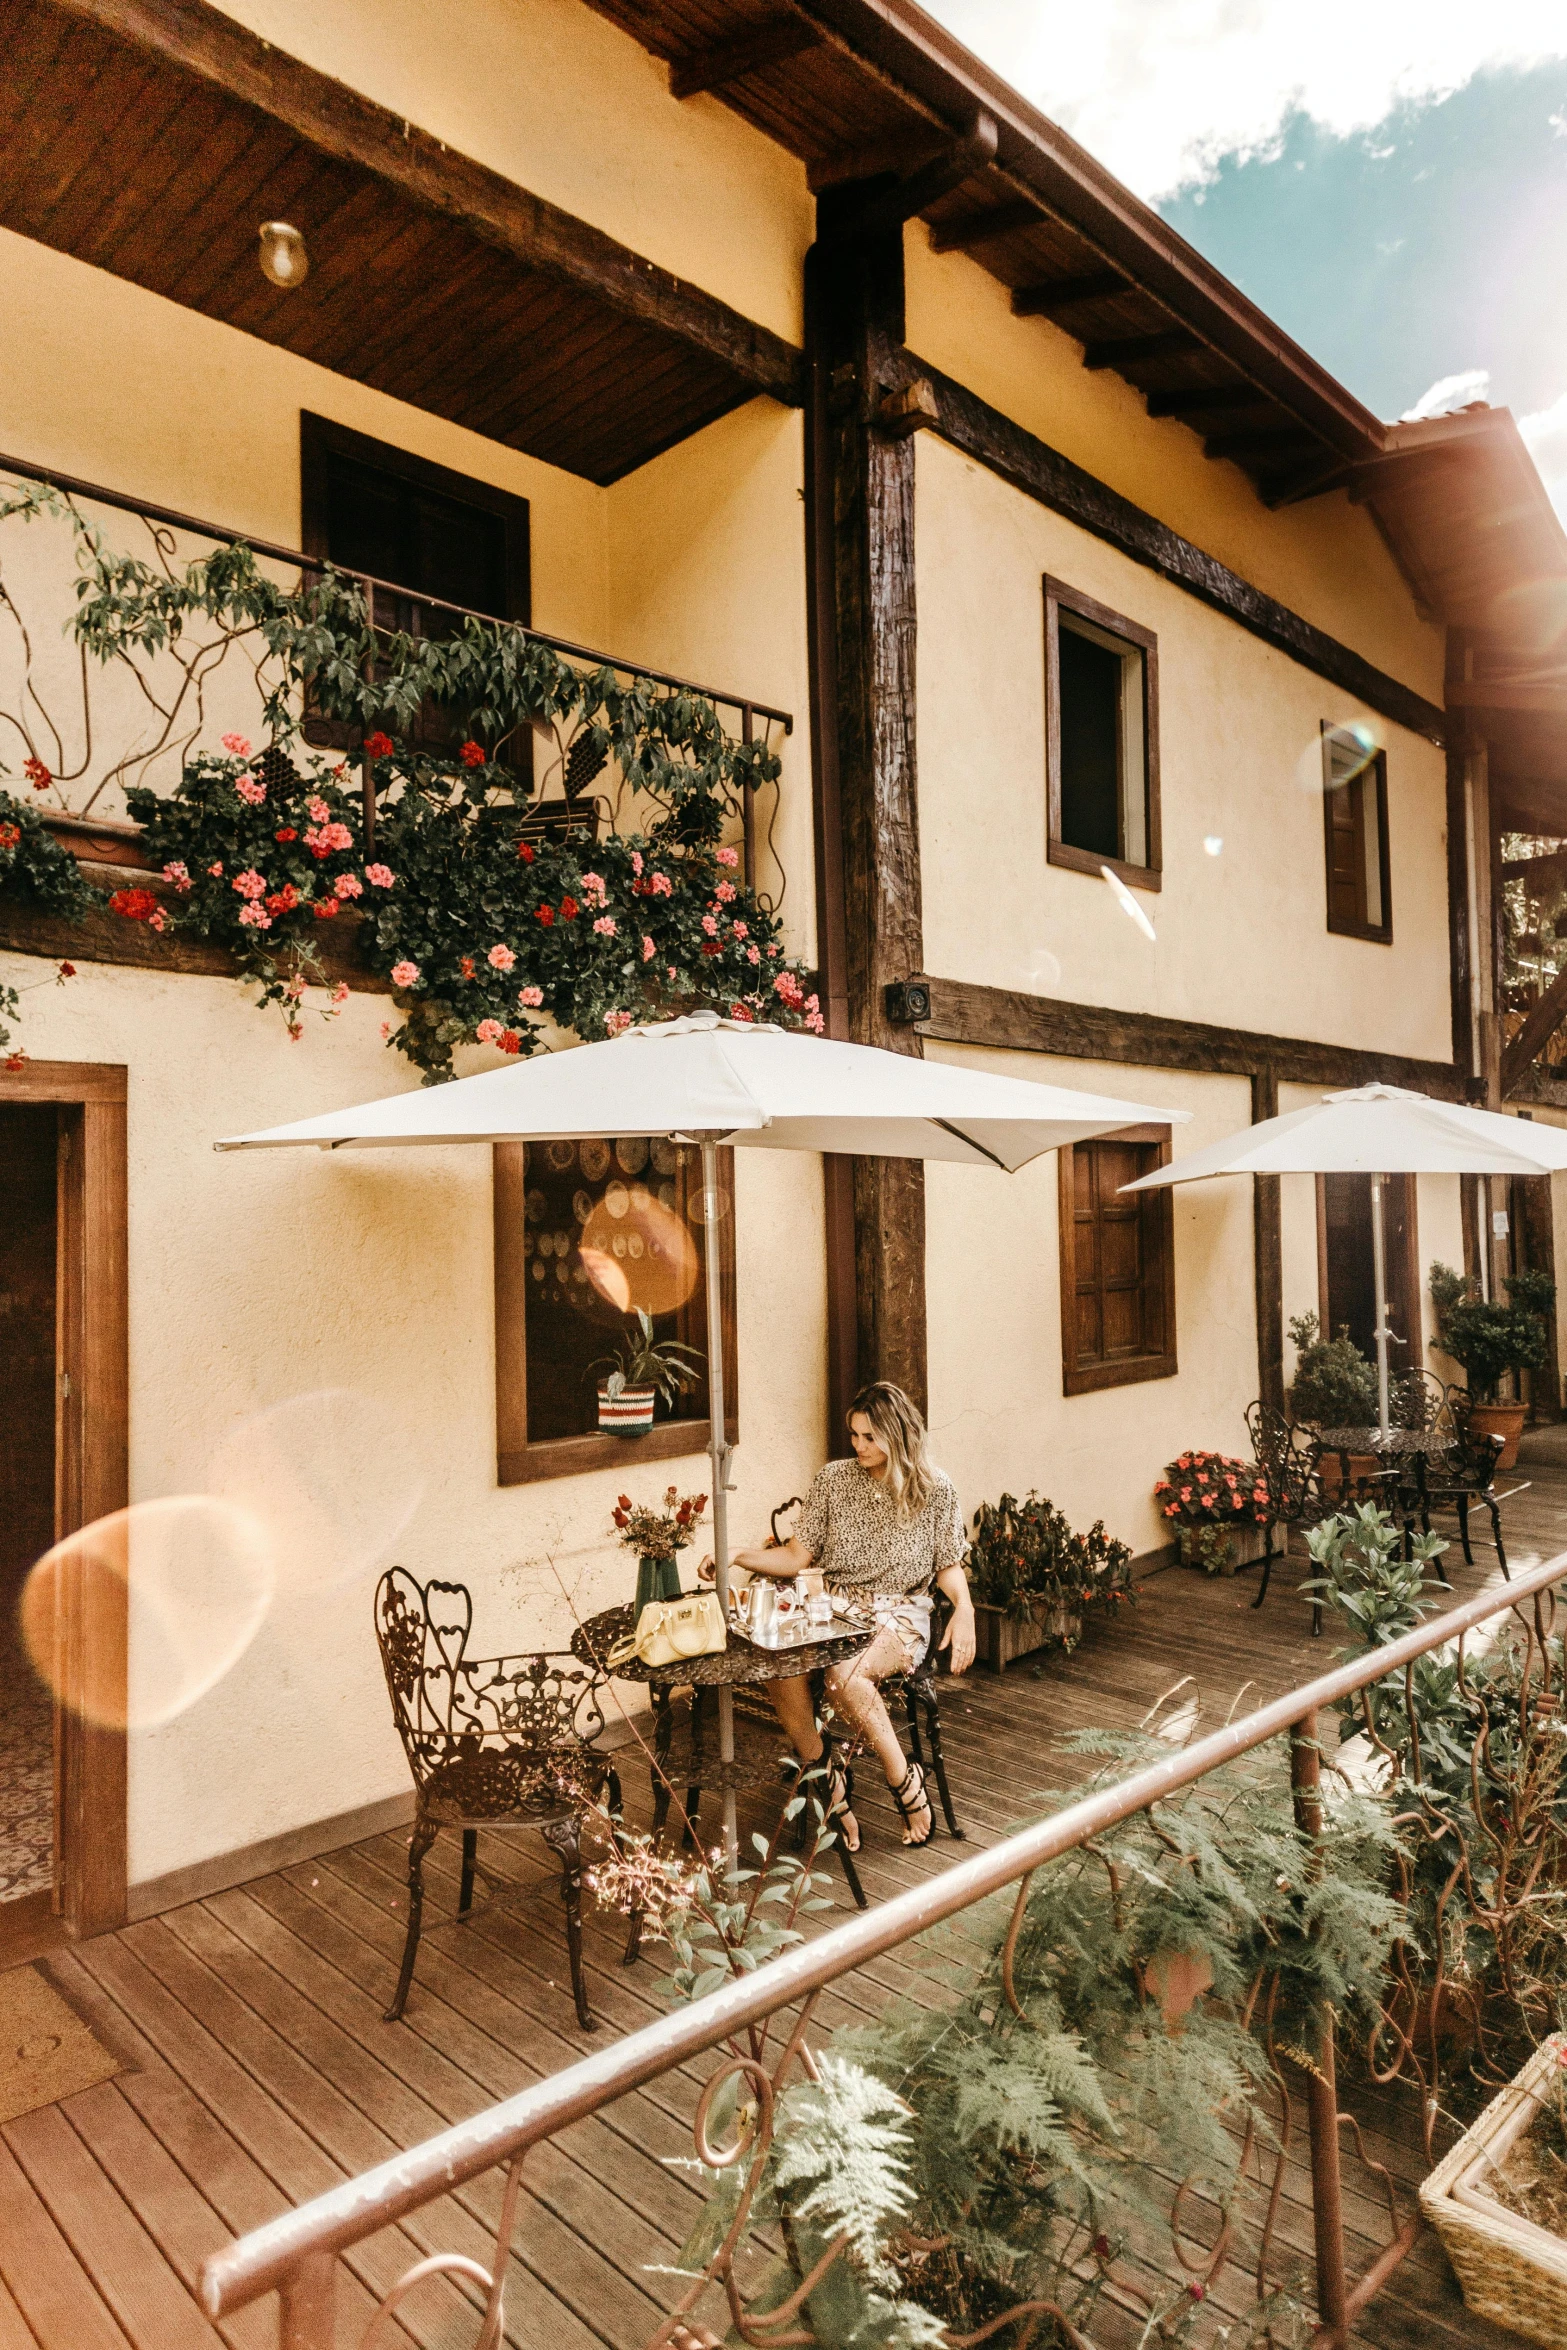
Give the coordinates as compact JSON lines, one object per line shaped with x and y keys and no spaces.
{"x":958,"y":1638}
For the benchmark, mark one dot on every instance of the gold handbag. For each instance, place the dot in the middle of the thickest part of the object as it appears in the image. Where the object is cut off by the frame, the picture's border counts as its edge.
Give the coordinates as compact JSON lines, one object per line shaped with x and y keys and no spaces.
{"x":669,"y":1630}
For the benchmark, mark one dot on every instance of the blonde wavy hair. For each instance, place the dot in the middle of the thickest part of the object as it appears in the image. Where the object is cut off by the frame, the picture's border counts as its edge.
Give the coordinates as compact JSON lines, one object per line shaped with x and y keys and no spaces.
{"x":899,"y":1430}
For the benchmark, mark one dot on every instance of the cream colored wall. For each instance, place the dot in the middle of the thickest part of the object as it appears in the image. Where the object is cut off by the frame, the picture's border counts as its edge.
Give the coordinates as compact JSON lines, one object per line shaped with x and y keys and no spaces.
{"x":1323,"y":558}
{"x":999,"y":1421}
{"x":1242,"y":936}
{"x":254,"y":1280}
{"x":548,"y":93}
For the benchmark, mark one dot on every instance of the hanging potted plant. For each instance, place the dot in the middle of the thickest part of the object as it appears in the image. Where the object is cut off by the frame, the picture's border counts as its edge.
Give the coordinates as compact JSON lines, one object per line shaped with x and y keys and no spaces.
{"x":1217,"y":1508}
{"x":656,"y":1538}
{"x":1033,"y":1579}
{"x":1489,"y":1340}
{"x":638,"y":1373}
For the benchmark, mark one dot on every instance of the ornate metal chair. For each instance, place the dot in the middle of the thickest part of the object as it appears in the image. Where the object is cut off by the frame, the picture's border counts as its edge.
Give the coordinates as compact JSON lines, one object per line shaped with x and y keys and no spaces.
{"x":1288,"y":1465}
{"x":497,"y":1741}
{"x":1466,"y":1472}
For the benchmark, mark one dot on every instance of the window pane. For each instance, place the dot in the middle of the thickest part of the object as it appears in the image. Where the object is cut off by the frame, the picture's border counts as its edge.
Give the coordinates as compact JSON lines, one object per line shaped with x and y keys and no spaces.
{"x":1371,"y":845}
{"x":1091,"y":743}
{"x":1117,"y":1244}
{"x":608,"y":1228}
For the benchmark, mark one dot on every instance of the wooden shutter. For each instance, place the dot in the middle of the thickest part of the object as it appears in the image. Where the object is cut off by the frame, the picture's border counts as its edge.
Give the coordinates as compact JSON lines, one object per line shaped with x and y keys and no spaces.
{"x":1117,"y":1264}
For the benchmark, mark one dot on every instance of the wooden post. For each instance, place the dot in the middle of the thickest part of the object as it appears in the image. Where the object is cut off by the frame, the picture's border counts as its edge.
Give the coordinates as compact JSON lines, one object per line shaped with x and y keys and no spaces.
{"x":1268,"y":1250}
{"x":860,"y":510}
{"x":1327,"y":2192}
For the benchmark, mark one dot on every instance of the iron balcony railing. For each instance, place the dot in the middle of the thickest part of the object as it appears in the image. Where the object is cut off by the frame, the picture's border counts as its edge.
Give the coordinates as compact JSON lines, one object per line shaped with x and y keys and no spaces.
{"x":296,"y":2256}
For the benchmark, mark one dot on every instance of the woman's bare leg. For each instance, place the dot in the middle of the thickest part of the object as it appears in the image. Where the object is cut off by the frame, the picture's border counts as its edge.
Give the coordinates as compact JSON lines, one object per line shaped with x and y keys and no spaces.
{"x":854,"y":1692}
{"x":792,"y":1704}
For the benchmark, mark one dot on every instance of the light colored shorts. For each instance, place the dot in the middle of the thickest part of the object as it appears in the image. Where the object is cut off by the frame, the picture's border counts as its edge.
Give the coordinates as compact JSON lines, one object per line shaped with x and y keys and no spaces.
{"x":908,"y":1619}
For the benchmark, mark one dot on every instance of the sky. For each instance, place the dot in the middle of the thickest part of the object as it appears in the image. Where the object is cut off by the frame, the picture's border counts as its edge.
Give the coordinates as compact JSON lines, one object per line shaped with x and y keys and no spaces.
{"x":1387,"y":181}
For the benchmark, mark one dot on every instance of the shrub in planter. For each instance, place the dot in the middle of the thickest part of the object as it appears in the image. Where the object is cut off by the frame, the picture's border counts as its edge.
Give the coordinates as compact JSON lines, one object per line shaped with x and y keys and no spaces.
{"x":1216,"y":1506}
{"x":1487,"y":1338}
{"x":1031,"y":1574}
{"x":1335,"y":1386}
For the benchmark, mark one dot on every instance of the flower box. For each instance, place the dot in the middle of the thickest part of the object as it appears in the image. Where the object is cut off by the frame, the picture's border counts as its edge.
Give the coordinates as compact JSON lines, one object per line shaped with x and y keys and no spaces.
{"x":1219,"y":1547}
{"x":1000,"y":1637}
{"x":1510,"y":2270}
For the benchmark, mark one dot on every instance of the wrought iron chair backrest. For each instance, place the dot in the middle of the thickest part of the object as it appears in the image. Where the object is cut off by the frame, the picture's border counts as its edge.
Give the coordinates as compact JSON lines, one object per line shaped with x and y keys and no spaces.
{"x":447,"y":1704}
{"x":1422,"y":1401}
{"x":1475,"y":1451}
{"x":1286,"y":1456}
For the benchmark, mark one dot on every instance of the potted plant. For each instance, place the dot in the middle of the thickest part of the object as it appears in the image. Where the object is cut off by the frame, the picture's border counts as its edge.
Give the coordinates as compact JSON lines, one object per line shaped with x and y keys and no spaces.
{"x":640,"y":1371}
{"x":1218,"y":1510}
{"x":657,"y":1537}
{"x":1488,"y":1339}
{"x":1335,"y":1387}
{"x":1033,"y":1579}
{"x":1498,"y":2200}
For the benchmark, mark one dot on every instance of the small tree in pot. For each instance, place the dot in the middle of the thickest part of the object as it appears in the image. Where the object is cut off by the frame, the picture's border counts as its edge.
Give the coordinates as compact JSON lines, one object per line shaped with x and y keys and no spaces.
{"x":1488,"y":1339}
{"x":1335,"y":1386}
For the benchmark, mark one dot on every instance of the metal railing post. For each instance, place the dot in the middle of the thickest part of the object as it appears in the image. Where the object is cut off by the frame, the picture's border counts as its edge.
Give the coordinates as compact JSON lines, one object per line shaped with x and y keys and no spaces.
{"x":1327,"y":2188}
{"x":308,"y":2294}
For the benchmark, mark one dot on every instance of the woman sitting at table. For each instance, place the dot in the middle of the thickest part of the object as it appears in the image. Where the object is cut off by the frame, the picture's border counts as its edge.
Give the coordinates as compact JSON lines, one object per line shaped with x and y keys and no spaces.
{"x":884,"y":1528}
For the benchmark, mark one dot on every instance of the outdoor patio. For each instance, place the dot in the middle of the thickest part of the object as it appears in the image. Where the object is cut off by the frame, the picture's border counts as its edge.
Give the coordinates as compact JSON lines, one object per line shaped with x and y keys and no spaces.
{"x":257,"y":2070}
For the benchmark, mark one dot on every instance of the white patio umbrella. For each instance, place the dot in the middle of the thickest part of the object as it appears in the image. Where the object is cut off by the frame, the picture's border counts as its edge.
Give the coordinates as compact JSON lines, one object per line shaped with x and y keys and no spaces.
{"x":1376,"y":1130}
{"x":708,"y":1080}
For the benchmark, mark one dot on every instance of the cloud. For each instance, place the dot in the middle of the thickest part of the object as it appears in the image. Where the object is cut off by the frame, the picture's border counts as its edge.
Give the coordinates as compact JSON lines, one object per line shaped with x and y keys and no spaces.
{"x":1163,"y":90}
{"x":1448,"y":393}
{"x":1545,"y":434}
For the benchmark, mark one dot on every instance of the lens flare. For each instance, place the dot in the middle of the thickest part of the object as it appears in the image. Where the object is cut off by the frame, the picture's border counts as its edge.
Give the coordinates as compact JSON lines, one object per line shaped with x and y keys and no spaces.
{"x":331,"y":1477}
{"x":1128,"y":904}
{"x":1213,"y":843}
{"x":197,"y":1580}
{"x":638,"y":1253}
{"x":1042,"y":970}
{"x":1342,"y":750}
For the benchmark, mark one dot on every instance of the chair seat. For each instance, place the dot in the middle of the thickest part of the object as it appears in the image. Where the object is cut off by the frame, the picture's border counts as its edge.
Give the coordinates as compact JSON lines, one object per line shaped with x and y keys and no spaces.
{"x":513,"y":1783}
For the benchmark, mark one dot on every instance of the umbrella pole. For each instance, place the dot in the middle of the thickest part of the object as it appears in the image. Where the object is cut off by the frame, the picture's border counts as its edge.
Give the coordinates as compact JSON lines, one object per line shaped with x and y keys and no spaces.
{"x":719,"y":1449}
{"x":1379,"y":1275}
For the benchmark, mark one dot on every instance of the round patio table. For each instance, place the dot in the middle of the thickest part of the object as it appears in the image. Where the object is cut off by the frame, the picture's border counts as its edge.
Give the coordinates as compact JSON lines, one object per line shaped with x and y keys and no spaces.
{"x":743,"y":1664}
{"x":1395,"y":1445}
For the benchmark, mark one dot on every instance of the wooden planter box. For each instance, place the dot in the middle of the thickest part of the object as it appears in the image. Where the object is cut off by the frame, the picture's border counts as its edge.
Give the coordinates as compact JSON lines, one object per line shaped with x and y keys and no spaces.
{"x":1001,"y":1638}
{"x":1248,"y":1543}
{"x":1511,"y":2271}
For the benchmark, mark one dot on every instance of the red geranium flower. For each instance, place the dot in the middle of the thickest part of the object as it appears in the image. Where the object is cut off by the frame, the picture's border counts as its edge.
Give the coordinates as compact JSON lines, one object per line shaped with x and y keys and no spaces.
{"x":37,"y":774}
{"x":710,"y":946}
{"x":569,"y":909}
{"x":546,"y":915}
{"x":509,"y":1041}
{"x":525,"y":852}
{"x":472,"y":754}
{"x":286,"y":832}
{"x":467,"y":966}
{"x":324,"y":909}
{"x":136,"y":905}
{"x":378,"y":745}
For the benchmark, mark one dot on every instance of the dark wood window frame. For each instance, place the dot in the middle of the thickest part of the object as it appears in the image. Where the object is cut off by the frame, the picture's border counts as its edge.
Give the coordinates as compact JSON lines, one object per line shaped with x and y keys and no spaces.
{"x":519,"y":1462}
{"x":1078,"y":1377}
{"x":320,"y":439}
{"x":1059,"y":597}
{"x":1373,"y":776}
{"x":91,"y":1482}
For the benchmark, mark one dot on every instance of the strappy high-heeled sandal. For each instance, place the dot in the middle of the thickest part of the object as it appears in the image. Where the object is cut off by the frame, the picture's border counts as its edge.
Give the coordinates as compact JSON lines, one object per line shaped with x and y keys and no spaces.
{"x":840,"y":1792}
{"x":911,"y":1795}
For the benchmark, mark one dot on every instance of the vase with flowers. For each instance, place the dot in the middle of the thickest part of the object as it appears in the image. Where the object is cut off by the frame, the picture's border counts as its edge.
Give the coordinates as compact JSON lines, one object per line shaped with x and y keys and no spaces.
{"x":657,"y":1537}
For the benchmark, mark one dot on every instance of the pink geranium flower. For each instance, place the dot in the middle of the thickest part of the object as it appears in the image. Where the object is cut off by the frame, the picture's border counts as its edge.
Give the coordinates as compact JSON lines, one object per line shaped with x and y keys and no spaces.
{"x":649,"y":950}
{"x":251,"y":884}
{"x":349,"y":885}
{"x":489,"y":1031}
{"x":661,"y":886}
{"x":320,"y":813}
{"x":179,"y":875}
{"x":405,"y":974}
{"x":255,"y":917}
{"x":530,"y":998}
{"x":593,"y":891}
{"x":727,"y":856}
{"x":636,"y":861}
{"x":501,"y":958}
{"x":753,"y":954}
{"x":380,"y":876}
{"x":250,"y":790}
{"x":724,"y":892}
{"x":742,"y":929}
{"x":616,"y":1023}
{"x":238,"y":745}
{"x":605,"y":926}
{"x":709,"y":925}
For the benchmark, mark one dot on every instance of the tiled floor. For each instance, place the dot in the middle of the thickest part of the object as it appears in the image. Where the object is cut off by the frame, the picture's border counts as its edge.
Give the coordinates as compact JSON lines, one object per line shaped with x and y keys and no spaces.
{"x":26,"y":1771}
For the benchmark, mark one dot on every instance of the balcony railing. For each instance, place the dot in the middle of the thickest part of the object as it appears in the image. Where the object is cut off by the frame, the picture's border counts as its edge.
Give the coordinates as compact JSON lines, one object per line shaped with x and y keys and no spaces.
{"x":296,"y":2256}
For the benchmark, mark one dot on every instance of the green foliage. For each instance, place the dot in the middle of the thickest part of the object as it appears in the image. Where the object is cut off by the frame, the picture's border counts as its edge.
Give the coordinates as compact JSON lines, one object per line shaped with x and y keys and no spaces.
{"x":1335,"y":1386}
{"x":1026,"y":1558}
{"x":1487,"y":1338}
{"x":641,"y":1362}
{"x":36,"y":871}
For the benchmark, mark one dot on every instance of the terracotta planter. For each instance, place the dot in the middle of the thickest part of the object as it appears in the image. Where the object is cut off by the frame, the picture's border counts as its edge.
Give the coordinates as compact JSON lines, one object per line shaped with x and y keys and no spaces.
{"x":1500,"y":1419}
{"x":1000,"y":1638}
{"x":1244,"y":1543}
{"x":1362,"y":1466}
{"x":630,"y":1413}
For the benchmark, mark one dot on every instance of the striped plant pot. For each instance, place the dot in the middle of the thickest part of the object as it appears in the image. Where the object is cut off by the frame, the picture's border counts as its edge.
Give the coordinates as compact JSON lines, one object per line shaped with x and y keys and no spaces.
{"x":630,"y":1413}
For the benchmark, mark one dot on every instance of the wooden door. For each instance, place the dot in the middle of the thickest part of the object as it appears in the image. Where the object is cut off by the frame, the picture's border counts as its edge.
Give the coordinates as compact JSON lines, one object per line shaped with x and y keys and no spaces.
{"x":1345,"y":1271}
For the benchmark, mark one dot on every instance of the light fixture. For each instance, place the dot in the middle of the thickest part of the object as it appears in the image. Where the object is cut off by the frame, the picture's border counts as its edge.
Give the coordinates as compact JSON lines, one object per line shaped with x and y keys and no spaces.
{"x":283,"y":256}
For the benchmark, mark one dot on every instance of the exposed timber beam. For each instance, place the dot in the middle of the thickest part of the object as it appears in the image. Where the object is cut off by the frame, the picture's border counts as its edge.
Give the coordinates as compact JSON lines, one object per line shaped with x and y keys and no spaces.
{"x":1064,"y":293}
{"x":730,"y":61}
{"x":1540,"y":1025}
{"x":971,"y":425}
{"x":897,"y":157}
{"x":964,"y":1012}
{"x":1549,"y":700}
{"x":888,"y":208}
{"x":336,"y":120}
{"x":983,"y":228}
{"x":1205,"y":399}
{"x":1133,"y":350}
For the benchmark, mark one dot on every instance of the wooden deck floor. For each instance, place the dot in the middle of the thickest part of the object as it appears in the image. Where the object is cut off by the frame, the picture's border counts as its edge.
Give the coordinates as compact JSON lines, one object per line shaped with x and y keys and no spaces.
{"x":258,"y":2071}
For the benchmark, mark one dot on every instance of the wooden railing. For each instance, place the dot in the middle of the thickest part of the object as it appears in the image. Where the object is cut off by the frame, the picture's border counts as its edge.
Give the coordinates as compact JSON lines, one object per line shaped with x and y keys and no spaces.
{"x":296,"y":2255}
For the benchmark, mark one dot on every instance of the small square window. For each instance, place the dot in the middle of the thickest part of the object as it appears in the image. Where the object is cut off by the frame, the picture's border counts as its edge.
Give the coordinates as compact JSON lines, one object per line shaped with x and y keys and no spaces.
{"x":1354,"y":802}
{"x":1102,"y":755}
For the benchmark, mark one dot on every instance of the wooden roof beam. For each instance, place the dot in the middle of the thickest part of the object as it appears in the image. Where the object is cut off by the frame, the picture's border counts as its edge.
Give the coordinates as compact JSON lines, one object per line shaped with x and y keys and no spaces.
{"x":886,"y":208}
{"x":1203,"y":399}
{"x":984,"y":228}
{"x":1065,"y":293}
{"x":713,"y":68}
{"x":1135,"y":350}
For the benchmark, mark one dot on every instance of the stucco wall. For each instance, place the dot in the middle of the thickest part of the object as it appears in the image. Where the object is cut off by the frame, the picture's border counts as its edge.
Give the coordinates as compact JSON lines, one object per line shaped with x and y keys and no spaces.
{"x":1323,"y":558}
{"x":997,"y":1414}
{"x":1242,"y":935}
{"x":574,"y":110}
